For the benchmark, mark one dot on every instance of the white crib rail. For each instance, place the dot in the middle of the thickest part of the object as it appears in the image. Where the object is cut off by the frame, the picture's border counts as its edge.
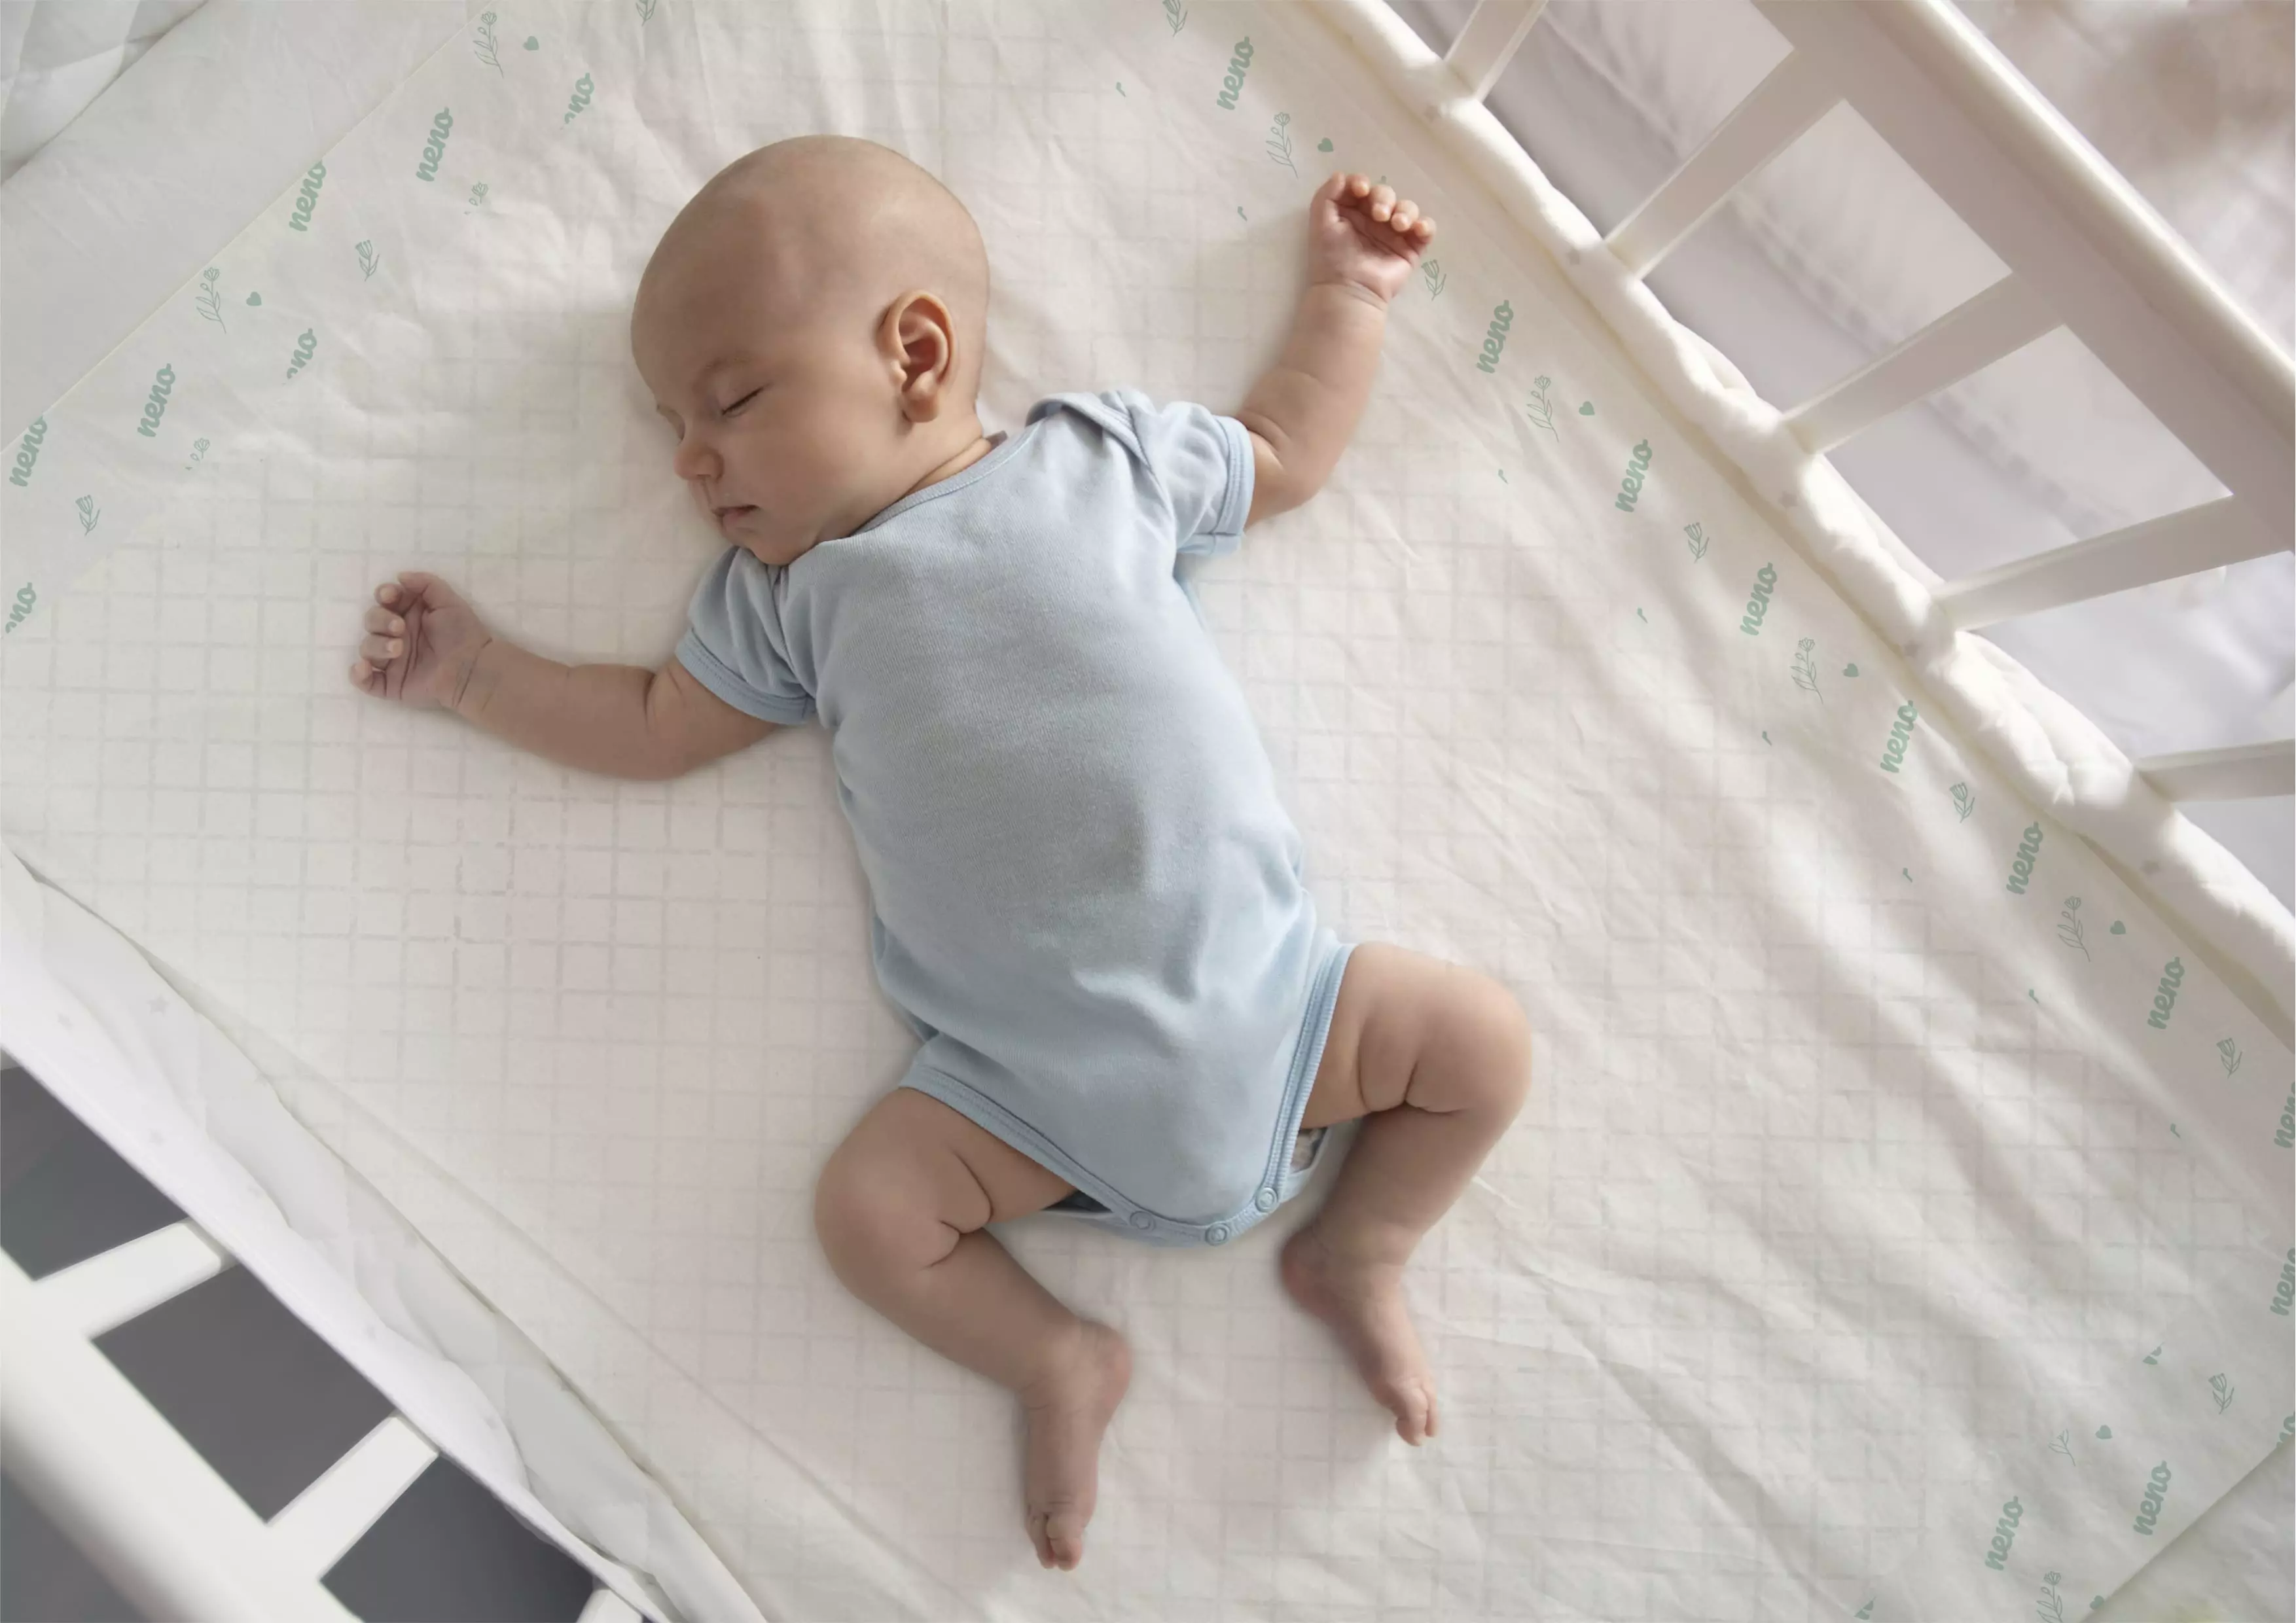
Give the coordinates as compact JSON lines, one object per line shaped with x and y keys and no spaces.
{"x":142,"y":1504}
{"x":2084,"y":251}
{"x":123,"y":1483}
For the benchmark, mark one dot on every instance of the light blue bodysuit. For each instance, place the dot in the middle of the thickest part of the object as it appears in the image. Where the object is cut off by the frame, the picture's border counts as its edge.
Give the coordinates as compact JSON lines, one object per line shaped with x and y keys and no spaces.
{"x":1086,"y":899}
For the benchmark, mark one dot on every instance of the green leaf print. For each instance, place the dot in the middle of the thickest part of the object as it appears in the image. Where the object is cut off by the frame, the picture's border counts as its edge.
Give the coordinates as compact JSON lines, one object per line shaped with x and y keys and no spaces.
{"x":209,"y":302}
{"x":484,"y":45}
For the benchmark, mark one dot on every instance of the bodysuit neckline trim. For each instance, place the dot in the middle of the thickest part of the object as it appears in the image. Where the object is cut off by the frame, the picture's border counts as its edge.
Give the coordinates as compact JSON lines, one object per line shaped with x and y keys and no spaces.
{"x":1005,"y":443}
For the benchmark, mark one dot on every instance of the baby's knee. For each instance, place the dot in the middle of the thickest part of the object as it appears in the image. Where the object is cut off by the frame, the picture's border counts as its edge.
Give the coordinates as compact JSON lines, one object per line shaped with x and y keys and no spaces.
{"x":1505,"y":1033}
{"x":866,"y":1215}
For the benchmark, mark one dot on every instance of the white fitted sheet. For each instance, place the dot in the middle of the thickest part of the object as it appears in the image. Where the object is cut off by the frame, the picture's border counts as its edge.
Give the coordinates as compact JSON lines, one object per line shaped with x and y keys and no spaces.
{"x":1806,"y":1065}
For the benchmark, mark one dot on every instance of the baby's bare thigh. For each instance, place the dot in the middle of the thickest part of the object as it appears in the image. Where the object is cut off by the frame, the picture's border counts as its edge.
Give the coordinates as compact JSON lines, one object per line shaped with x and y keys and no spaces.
{"x":913,"y":1150}
{"x":1394,"y":1006}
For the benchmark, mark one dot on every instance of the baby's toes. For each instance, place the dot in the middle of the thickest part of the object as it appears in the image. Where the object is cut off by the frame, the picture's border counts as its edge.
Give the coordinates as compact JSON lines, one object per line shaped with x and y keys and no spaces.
{"x":1059,"y":1537}
{"x":1412,"y":1397}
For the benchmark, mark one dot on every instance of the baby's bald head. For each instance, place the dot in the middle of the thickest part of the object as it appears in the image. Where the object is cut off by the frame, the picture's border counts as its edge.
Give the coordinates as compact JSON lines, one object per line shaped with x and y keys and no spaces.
{"x":811,"y":326}
{"x":831,"y":229}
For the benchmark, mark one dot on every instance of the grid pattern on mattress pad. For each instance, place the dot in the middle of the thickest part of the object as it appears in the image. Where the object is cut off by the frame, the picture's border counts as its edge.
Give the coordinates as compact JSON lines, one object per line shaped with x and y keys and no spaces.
{"x":1858,"y":1179}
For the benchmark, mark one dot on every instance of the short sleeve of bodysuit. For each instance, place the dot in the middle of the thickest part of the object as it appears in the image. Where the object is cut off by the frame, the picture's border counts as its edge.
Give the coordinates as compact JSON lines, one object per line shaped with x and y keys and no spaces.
{"x":734,"y":644}
{"x":1203,"y":461}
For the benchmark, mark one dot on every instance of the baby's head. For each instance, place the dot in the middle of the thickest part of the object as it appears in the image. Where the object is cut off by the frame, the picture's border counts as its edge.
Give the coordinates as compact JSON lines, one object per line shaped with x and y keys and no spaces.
{"x":811,"y":325}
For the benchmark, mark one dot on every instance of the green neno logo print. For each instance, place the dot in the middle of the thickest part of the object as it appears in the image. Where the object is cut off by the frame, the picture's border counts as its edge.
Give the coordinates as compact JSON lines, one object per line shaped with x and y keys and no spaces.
{"x":307,"y":199}
{"x":1495,"y":340}
{"x":2004,"y":1534}
{"x":1901,"y":735}
{"x":156,"y":406}
{"x":2165,"y":999}
{"x":28,"y":452}
{"x":2156,"y":1493}
{"x":1238,"y":65}
{"x":2021,"y":867}
{"x":434,"y":145}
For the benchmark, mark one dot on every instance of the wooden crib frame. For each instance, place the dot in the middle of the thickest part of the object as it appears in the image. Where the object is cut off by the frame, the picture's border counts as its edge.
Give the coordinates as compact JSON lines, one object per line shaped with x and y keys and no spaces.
{"x":2084,"y":251}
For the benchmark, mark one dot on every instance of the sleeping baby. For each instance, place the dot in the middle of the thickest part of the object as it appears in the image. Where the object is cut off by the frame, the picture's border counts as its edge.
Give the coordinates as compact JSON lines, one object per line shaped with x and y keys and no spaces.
{"x":1086,"y":899}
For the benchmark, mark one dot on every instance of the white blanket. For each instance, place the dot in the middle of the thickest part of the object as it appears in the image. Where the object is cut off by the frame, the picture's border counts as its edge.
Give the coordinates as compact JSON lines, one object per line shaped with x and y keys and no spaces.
{"x":1859,"y":1199}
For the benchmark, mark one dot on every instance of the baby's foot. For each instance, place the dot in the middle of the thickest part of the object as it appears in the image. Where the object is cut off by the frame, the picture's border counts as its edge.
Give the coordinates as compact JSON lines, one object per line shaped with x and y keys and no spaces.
{"x":1067,"y":1408}
{"x":1363,"y":1302}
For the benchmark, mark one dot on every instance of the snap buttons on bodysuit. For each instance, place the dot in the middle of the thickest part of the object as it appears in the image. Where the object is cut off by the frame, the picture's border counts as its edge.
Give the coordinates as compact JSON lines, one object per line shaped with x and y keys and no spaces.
{"x":1141,"y":1219}
{"x":1217,"y":1233}
{"x":1264,"y":1200}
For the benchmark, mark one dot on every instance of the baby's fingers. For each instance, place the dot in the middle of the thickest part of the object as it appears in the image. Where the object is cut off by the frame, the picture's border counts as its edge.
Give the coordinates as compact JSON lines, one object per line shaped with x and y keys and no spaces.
{"x":382,"y":650}
{"x":413,"y":588}
{"x":384,"y":621}
{"x":1408,"y":222}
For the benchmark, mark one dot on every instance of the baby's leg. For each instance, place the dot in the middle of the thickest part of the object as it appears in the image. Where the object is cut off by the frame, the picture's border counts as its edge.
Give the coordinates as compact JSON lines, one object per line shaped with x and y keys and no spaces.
{"x":899,"y":1208}
{"x":1439,"y":1058}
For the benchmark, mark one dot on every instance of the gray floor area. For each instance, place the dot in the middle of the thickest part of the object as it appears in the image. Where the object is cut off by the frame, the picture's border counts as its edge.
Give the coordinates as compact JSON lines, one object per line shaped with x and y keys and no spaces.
{"x":265,"y":1401}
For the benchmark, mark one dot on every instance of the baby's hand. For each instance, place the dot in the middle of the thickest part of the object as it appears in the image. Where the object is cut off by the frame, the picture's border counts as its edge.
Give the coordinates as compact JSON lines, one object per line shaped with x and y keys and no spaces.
{"x":422,"y":643}
{"x":1360,"y":235}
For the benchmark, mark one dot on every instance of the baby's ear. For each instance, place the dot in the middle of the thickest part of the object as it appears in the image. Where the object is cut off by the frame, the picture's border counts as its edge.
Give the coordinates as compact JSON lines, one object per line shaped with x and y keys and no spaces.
{"x":923,"y":340}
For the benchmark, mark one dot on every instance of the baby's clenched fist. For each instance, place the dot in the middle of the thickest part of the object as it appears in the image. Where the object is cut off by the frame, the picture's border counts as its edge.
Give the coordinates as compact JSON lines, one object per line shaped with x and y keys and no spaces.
{"x":421,"y":645}
{"x":1362,"y":235}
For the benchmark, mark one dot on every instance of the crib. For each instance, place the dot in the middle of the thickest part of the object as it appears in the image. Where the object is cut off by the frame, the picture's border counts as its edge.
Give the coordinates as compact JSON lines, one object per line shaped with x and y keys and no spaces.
{"x":323,"y":1186}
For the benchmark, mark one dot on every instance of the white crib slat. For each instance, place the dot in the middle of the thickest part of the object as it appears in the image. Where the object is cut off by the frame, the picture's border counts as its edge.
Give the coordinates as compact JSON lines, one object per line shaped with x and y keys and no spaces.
{"x":94,"y":1296}
{"x":607,"y":1607}
{"x":327,"y":1518}
{"x":1488,"y":42}
{"x":1793,"y":97}
{"x":113,"y":1474}
{"x":1970,"y":337}
{"x":2185,"y":543}
{"x":2063,"y":219}
{"x":2244,"y":772}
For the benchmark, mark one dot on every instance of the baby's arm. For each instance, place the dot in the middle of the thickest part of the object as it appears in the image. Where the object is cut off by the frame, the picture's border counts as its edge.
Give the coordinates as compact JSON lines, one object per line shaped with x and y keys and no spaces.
{"x":425,"y":645}
{"x":1363,"y":246}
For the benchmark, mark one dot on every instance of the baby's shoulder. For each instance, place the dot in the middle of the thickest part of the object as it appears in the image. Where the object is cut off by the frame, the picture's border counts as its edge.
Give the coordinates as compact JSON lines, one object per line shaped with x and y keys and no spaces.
{"x":1118,"y":414}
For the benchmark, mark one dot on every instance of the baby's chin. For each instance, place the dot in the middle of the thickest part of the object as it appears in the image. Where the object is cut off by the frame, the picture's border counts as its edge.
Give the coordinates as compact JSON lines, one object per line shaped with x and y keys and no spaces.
{"x":772,"y":549}
{"x":743,"y":527}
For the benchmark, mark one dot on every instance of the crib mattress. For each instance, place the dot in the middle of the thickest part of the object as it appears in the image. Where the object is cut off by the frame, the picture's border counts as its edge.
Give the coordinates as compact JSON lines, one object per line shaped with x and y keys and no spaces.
{"x":1901,"y":1196}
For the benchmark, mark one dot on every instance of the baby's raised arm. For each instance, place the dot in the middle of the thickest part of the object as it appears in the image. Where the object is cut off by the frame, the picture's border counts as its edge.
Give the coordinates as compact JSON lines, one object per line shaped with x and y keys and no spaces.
{"x":426,"y":645}
{"x":1363,"y":244}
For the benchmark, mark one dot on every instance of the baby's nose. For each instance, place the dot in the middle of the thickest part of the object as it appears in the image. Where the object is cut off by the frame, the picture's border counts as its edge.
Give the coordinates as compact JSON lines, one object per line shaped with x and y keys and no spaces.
{"x":694,"y":460}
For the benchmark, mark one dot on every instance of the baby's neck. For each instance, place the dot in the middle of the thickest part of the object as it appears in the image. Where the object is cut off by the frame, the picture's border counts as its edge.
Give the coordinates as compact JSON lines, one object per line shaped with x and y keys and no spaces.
{"x":979,"y":447}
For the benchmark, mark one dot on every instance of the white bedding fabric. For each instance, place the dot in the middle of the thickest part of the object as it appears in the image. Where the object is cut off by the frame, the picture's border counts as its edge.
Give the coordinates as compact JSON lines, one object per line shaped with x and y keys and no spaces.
{"x":1849,"y":1185}
{"x":56,"y":56}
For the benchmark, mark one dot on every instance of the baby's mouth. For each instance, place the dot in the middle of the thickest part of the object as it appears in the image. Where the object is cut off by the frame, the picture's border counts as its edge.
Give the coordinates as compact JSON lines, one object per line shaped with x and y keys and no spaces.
{"x":726,"y":514}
